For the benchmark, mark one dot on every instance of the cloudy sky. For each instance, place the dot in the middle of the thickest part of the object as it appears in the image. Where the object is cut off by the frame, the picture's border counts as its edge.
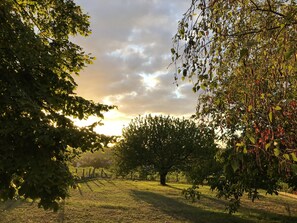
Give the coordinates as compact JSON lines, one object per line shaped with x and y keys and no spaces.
{"x":131,"y":40}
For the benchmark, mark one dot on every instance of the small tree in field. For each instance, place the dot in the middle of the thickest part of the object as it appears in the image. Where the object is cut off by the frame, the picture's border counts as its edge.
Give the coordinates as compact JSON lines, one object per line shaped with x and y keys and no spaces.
{"x":162,"y":144}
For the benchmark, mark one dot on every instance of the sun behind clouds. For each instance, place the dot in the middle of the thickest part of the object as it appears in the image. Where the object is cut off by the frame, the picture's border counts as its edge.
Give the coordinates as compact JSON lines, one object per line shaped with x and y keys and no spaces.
{"x":113,"y":123}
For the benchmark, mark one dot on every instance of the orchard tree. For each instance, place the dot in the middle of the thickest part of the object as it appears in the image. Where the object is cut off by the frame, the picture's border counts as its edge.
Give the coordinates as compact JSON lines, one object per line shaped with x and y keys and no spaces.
{"x":242,"y":58}
{"x":163,"y":144}
{"x":37,"y":99}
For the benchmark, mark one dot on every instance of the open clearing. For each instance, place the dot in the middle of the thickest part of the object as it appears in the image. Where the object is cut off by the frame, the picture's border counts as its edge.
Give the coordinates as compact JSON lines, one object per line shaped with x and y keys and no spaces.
{"x":104,"y":201}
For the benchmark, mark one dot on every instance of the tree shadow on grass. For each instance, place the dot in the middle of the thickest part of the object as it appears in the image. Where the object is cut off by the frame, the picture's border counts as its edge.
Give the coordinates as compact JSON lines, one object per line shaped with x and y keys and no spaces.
{"x":11,"y":204}
{"x":266,"y":216}
{"x":217,"y":203}
{"x":184,"y":212}
{"x":97,"y":182}
{"x":173,"y":187}
{"x":94,"y":181}
{"x":270,"y":216}
{"x":80,"y":191}
{"x":110,"y":182}
{"x":254,"y":213}
{"x":88,"y":185}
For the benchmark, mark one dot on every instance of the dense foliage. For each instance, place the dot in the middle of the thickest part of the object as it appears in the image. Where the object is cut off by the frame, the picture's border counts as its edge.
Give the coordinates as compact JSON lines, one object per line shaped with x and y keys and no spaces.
{"x":163,"y":144}
{"x":37,"y":99}
{"x":242,"y":58}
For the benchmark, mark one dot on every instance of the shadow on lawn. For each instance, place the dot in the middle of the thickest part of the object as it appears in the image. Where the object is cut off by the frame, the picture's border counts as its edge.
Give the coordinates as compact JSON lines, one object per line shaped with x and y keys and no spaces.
{"x":253,"y":211}
{"x":173,"y":187}
{"x":11,"y":204}
{"x":88,"y":185}
{"x":183,"y":211}
{"x":98,"y":183}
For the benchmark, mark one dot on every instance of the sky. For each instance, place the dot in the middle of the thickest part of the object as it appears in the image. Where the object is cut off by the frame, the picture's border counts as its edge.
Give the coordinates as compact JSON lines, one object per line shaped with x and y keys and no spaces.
{"x":131,"y":40}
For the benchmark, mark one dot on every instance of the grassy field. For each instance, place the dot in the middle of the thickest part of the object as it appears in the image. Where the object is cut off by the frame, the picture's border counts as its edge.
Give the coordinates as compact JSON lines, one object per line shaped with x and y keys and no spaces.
{"x":104,"y":201}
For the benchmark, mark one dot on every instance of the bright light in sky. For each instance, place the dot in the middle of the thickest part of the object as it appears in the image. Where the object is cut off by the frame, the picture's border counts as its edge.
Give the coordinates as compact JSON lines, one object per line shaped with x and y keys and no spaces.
{"x":113,"y":123}
{"x":149,"y":81}
{"x":131,"y":40}
{"x":178,"y":93}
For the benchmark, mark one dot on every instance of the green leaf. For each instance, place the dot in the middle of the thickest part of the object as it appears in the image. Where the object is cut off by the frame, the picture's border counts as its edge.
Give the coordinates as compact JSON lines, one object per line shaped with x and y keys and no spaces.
{"x":267,"y":146}
{"x":276,"y":152}
{"x":294,"y":157}
{"x":277,"y":108}
{"x":286,"y":156}
{"x":250,"y":108}
{"x":172,"y":50}
{"x":252,"y":139}
{"x":203,"y":87}
{"x":270,"y":116}
{"x":235,"y":165}
{"x":241,"y":144}
{"x":294,"y":169}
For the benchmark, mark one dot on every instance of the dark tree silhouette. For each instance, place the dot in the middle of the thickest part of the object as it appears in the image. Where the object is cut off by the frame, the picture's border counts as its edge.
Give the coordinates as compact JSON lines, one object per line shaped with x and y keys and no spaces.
{"x":37,"y":99}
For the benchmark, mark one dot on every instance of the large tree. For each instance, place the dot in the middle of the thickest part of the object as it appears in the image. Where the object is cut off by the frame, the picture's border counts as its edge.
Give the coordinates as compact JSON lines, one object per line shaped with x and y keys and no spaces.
{"x":163,"y":144}
{"x":37,"y":99}
{"x":242,"y":58}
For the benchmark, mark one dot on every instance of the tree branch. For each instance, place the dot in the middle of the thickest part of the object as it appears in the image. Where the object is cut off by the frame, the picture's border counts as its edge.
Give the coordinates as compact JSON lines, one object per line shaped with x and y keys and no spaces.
{"x":267,"y":10}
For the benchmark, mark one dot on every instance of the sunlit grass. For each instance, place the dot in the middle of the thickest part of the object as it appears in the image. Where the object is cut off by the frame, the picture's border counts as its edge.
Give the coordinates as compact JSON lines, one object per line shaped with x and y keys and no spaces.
{"x":106,"y":200}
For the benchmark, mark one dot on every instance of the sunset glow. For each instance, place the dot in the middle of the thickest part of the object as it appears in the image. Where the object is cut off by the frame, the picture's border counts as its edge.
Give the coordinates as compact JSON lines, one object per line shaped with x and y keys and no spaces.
{"x":131,"y":41}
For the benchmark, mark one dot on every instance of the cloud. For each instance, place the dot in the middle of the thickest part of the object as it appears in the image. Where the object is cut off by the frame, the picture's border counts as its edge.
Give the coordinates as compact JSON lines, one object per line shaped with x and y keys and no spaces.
{"x":131,"y":40}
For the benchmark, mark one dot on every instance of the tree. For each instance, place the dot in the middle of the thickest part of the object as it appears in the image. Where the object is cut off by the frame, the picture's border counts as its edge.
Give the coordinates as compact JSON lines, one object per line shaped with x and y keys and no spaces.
{"x":37,"y":99}
{"x":162,"y":144}
{"x":242,"y":58}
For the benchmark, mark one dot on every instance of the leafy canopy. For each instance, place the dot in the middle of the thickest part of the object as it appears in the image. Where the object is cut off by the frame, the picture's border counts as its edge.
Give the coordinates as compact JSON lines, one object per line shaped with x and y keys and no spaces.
{"x":242,"y":58}
{"x":163,"y":144}
{"x":37,"y":99}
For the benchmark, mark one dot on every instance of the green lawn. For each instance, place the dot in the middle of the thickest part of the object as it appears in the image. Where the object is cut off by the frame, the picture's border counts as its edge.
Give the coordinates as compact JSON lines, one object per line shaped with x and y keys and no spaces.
{"x":131,"y":201}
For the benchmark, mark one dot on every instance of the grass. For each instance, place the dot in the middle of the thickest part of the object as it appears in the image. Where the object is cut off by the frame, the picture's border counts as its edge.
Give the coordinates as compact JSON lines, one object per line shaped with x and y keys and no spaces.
{"x":111,"y":201}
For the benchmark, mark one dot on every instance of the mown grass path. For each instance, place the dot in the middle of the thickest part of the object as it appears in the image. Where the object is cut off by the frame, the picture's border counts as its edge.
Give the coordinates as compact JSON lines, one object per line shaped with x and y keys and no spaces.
{"x":108,"y":201}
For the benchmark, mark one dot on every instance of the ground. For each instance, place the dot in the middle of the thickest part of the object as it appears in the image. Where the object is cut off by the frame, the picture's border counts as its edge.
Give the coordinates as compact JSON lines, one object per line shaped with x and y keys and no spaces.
{"x":109,"y":201}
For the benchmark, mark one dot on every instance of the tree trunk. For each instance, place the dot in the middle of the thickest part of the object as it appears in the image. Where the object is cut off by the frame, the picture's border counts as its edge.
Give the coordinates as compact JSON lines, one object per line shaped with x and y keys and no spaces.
{"x":163,"y":178}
